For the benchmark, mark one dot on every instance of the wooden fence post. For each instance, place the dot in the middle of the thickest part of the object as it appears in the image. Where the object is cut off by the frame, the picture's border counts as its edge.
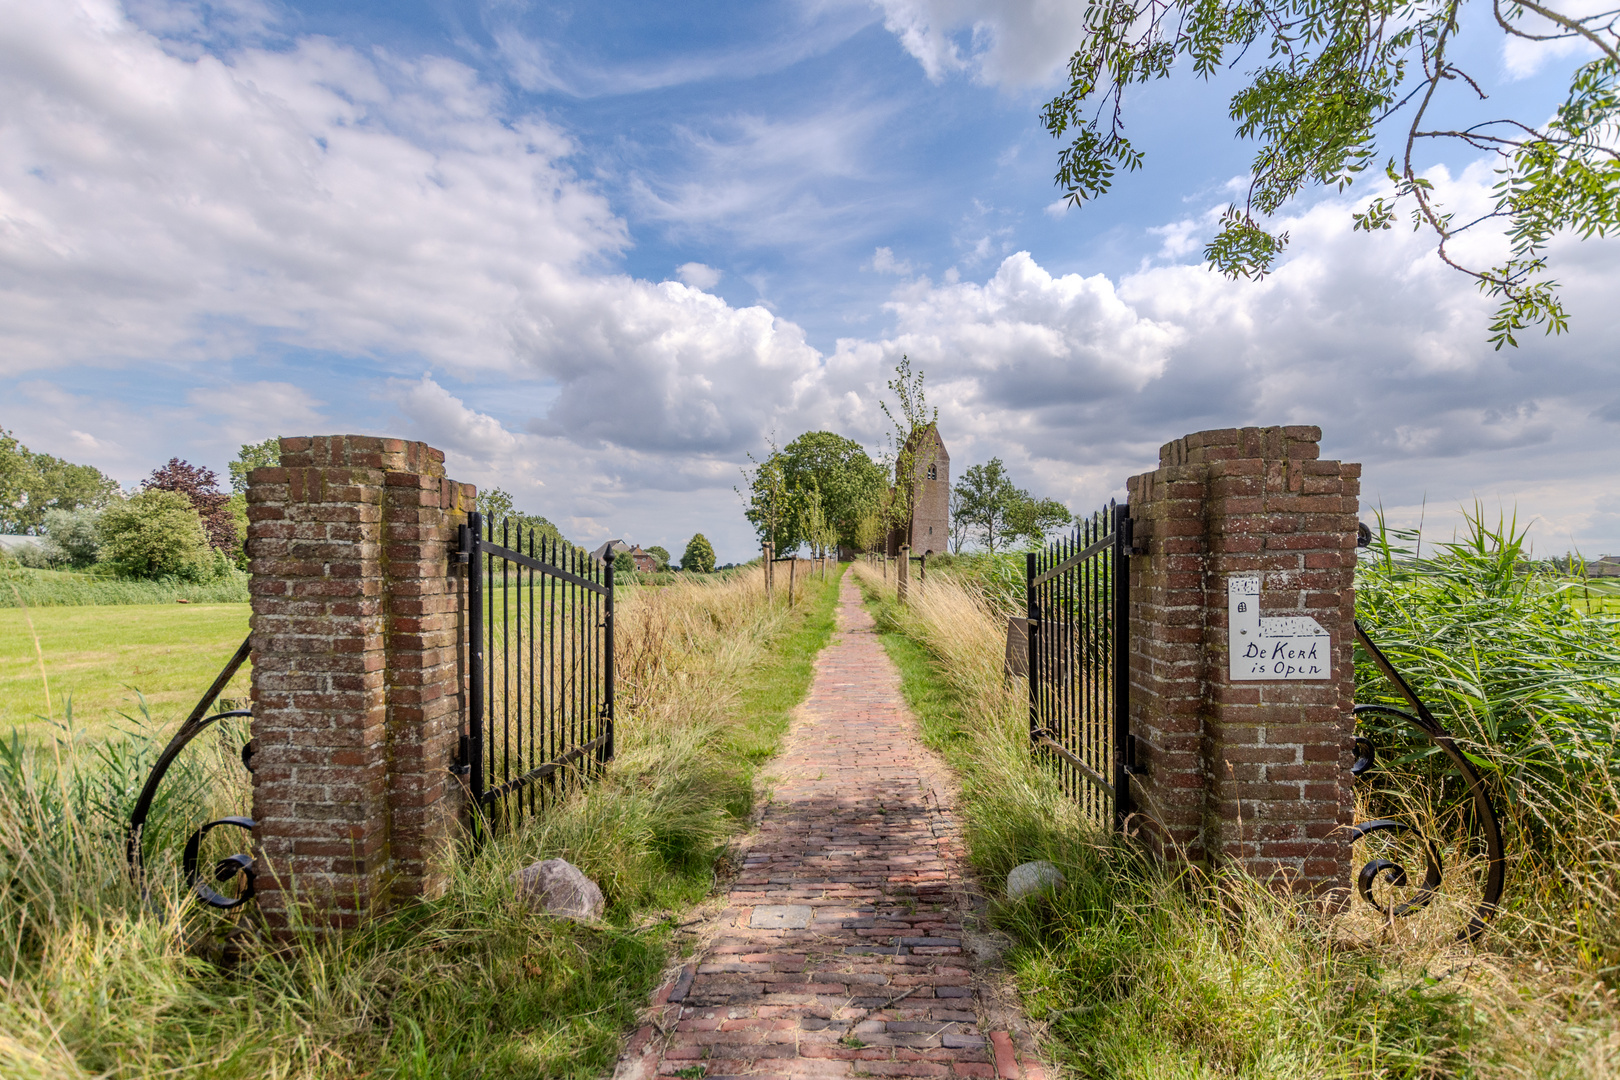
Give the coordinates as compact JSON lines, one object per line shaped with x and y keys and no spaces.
{"x":902,"y":567}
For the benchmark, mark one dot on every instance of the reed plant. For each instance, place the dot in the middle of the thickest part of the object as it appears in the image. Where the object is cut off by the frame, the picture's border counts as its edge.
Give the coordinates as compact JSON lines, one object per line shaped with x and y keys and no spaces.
{"x":105,"y":979}
{"x":1141,"y":967}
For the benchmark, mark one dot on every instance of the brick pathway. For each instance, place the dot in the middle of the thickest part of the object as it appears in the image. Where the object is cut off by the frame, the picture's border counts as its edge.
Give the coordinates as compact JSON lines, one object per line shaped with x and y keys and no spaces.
{"x":840,"y":951}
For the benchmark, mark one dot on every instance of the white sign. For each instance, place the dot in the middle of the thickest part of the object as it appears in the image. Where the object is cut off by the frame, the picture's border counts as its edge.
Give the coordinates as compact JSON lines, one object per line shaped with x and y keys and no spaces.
{"x":1294,"y":647}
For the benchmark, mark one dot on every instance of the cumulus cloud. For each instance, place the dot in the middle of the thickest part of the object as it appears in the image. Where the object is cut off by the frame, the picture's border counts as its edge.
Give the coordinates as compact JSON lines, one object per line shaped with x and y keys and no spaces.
{"x":1017,"y":43}
{"x":189,"y":216}
{"x":884,"y":262}
{"x":698,"y":275}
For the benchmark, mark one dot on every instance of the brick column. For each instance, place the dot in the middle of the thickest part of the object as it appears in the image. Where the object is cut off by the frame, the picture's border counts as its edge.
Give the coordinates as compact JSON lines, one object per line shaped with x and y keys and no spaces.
{"x":1248,"y":771}
{"x":355,"y":676}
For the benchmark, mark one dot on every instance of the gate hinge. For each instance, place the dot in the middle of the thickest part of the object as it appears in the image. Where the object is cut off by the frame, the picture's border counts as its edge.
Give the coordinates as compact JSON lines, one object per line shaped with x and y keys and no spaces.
{"x":463,"y":549}
{"x":461,"y":766}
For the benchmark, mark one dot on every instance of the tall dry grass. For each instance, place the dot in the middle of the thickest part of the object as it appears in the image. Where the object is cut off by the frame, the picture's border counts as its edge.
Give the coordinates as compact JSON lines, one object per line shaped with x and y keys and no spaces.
{"x":1144,"y":968}
{"x":101,"y":981}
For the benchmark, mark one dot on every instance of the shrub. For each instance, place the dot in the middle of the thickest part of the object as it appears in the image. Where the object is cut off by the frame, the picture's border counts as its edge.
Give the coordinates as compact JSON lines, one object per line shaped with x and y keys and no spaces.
{"x":156,"y":534}
{"x":699,"y":555}
{"x":74,"y":536}
{"x":200,"y":486}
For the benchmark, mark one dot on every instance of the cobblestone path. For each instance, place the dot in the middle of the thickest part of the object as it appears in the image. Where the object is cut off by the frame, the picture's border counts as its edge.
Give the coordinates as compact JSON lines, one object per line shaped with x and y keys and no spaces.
{"x":840,"y":952}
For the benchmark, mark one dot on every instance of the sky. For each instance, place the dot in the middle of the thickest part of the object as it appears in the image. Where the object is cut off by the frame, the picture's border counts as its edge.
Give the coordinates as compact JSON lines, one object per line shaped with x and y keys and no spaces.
{"x":599,"y":253}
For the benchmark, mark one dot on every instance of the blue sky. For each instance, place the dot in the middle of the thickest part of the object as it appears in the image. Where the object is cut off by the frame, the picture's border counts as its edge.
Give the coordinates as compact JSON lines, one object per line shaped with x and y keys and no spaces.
{"x":600,"y":252}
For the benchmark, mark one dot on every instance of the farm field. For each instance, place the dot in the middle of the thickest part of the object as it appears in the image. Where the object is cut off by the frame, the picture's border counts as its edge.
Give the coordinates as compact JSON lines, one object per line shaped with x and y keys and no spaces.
{"x":107,"y":657}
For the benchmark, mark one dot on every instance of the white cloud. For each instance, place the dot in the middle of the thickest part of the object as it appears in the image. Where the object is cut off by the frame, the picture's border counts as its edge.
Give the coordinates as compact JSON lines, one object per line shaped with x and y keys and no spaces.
{"x":1523,"y":58}
{"x":698,"y":275}
{"x":1016,"y":43}
{"x":160,"y":207}
{"x":884,"y":262}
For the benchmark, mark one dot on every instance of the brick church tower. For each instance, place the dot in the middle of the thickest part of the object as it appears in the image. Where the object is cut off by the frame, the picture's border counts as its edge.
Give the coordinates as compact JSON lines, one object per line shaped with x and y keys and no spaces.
{"x":931,"y":507}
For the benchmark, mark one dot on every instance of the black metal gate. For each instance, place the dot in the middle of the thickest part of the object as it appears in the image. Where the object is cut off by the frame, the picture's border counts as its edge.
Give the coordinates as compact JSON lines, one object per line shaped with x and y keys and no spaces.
{"x":539,"y":641}
{"x":1078,"y":596}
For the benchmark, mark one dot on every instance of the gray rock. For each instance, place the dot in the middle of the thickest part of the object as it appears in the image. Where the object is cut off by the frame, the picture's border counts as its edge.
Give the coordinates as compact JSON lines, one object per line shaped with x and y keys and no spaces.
{"x":1032,"y":877}
{"x":556,"y":887}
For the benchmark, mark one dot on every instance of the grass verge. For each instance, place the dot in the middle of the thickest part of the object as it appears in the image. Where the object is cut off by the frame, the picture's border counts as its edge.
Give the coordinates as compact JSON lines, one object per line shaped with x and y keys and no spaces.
{"x":1142,"y":969}
{"x":61,"y":588}
{"x":108,"y":659}
{"x":469,"y":985}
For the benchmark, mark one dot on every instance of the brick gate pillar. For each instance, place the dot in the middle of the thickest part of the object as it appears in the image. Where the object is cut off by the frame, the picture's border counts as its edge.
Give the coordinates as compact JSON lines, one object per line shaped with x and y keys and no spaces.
{"x":1247,"y":762}
{"x":356,"y":679}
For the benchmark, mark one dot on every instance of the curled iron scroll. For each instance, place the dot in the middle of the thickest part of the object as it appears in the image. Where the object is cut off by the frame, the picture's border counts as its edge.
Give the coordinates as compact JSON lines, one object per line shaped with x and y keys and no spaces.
{"x":1489,"y":827}
{"x":227,"y":868}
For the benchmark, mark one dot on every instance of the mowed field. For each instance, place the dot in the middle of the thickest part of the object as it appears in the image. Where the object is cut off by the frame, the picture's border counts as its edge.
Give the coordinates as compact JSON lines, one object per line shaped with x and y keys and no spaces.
{"x":108,"y":656}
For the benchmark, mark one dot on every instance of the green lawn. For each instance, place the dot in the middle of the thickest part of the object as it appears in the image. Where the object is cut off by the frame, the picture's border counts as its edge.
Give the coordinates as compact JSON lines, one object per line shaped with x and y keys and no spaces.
{"x":102,"y":655}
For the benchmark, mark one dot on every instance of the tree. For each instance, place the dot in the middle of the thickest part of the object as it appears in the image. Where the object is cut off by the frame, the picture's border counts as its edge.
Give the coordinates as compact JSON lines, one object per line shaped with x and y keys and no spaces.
{"x":1335,"y":73}
{"x":200,"y":486}
{"x":993,"y":510}
{"x":869,"y":530}
{"x":847,"y":482}
{"x":251,"y":456}
{"x":661,"y":555}
{"x":32,"y":485}
{"x":987,"y":500}
{"x":959,"y":523}
{"x":624,"y":563}
{"x":1034,"y":519}
{"x":699,"y":555}
{"x":156,"y":534}
{"x":769,"y":504}
{"x":74,"y":536}
{"x":497,"y":506}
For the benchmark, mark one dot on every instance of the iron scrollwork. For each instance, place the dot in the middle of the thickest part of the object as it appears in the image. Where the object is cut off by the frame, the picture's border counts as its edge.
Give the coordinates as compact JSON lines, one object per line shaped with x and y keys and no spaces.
{"x":228,"y":868}
{"x":1484,"y":814}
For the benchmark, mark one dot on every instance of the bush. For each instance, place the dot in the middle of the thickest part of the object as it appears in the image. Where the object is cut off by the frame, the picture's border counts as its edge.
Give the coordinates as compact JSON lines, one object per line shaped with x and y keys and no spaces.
{"x":74,"y":536}
{"x":157,"y":534}
{"x":699,"y":555}
{"x":34,"y":556}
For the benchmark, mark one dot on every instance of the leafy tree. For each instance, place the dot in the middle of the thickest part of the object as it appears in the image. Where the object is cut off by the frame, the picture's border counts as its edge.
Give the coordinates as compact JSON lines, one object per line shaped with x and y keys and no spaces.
{"x":624,"y":563}
{"x":869,"y":530}
{"x":660,"y":554}
{"x":770,"y":505}
{"x":699,"y":555}
{"x":253,"y":456}
{"x":993,"y":510}
{"x":32,"y":485}
{"x":497,"y":506}
{"x":156,"y":534}
{"x":1334,"y":75}
{"x":847,"y":484}
{"x":1035,"y":518}
{"x":200,"y":486}
{"x":74,"y":536}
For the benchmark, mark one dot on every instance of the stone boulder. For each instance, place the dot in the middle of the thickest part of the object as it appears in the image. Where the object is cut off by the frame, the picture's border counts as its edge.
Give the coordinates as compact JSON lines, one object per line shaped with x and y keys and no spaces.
{"x":1033,"y":877}
{"x":557,"y":887}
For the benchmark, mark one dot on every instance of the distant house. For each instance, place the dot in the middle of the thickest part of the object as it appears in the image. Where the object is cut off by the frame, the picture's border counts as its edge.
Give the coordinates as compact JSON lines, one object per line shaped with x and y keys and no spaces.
{"x":609,"y":550}
{"x":1608,"y":566}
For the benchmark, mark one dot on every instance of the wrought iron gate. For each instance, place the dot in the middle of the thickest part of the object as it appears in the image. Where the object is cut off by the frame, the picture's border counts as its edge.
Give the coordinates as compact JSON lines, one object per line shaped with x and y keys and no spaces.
{"x":1078,"y":606}
{"x":539,"y":640}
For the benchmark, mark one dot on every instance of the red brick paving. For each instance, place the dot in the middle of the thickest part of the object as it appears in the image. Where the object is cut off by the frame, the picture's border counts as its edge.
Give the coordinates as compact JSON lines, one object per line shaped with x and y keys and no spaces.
{"x":860,"y":829}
